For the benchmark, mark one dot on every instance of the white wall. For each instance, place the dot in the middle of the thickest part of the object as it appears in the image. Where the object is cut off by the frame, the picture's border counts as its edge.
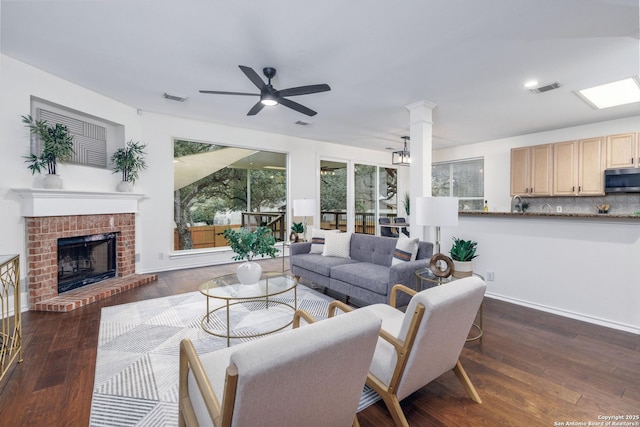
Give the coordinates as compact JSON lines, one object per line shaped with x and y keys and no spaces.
{"x":159,"y":132}
{"x":496,"y":153}
{"x":586,"y":269}
{"x":154,"y":222}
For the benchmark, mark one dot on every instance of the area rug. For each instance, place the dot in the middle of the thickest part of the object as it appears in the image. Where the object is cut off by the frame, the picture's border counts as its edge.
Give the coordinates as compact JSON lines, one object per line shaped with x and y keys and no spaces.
{"x":136,"y":379}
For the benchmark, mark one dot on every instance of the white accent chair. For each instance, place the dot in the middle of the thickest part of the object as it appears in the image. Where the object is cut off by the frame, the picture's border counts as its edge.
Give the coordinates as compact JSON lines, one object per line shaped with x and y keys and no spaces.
{"x":309,"y":376}
{"x":421,"y":344}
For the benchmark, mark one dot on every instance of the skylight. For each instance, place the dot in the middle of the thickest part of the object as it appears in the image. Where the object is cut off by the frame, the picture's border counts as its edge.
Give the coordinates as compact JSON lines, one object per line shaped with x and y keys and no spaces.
{"x":622,"y":92}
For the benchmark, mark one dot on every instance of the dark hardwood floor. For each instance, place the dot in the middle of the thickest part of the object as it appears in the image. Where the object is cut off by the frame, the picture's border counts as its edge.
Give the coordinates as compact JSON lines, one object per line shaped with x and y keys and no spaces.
{"x":530,"y":368}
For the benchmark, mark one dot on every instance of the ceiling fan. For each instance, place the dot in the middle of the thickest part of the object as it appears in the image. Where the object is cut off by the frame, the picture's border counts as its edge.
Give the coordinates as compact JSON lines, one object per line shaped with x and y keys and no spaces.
{"x":270,"y":96}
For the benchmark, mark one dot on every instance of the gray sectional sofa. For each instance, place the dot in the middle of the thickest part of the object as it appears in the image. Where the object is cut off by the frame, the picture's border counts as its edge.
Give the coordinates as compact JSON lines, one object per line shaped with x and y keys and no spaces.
{"x":368,"y":275}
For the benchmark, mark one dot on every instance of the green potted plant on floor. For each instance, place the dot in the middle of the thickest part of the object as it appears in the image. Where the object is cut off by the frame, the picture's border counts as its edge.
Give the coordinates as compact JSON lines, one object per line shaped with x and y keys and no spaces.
{"x":129,"y":160}
{"x":247,"y":245}
{"x":57,"y":146}
{"x":462,"y":253}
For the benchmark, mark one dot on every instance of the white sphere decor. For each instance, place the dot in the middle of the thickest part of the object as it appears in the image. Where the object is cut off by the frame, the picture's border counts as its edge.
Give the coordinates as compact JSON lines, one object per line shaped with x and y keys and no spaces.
{"x":249,"y":273}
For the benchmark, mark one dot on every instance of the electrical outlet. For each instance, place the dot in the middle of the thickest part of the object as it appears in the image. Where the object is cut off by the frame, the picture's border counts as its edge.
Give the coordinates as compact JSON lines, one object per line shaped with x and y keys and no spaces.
{"x":160,"y":255}
{"x":559,"y":209}
{"x":490,"y":276}
{"x":138,"y":257}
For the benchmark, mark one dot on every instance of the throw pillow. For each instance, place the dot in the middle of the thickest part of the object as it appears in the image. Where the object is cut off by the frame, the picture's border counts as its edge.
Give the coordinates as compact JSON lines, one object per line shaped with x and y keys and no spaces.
{"x":337,"y":244}
{"x":406,"y":250}
{"x":317,"y":239}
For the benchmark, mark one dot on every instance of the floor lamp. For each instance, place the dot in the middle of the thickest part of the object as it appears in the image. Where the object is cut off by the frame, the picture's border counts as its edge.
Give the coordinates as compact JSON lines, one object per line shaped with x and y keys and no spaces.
{"x":437,"y":212}
{"x":304,"y":208}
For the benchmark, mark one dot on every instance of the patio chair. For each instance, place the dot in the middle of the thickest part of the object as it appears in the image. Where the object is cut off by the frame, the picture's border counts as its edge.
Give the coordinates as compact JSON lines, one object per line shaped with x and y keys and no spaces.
{"x":386,"y":231}
{"x":404,"y":230}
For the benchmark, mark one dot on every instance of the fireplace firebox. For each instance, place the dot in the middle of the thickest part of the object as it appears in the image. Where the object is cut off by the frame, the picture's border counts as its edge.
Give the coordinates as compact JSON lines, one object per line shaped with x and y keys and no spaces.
{"x":83,"y":260}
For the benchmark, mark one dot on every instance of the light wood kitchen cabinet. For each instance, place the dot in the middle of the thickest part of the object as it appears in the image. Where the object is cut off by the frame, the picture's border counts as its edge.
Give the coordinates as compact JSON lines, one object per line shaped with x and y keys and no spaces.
{"x":623,"y":151}
{"x":532,"y":170}
{"x":591,"y":165}
{"x":520,"y":177}
{"x":565,"y":168}
{"x":578,"y":167}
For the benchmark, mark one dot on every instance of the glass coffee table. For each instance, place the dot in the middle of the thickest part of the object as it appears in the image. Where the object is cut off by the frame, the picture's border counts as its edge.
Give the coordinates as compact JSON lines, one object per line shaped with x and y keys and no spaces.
{"x":248,"y":311}
{"x":426,"y":275}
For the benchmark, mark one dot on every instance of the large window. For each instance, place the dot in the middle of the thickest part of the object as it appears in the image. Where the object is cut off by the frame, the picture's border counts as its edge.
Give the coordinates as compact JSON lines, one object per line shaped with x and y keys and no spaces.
{"x":333,"y":195}
{"x":374,"y":190}
{"x":218,"y":187}
{"x":463,"y":179}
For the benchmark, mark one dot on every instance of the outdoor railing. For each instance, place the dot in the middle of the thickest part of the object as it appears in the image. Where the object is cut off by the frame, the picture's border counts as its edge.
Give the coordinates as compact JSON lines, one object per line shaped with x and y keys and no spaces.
{"x":274,"y":220}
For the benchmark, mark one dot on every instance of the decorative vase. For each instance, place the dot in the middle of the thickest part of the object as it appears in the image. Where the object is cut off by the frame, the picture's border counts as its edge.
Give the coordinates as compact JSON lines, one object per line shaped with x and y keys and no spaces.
{"x":52,"y":181}
{"x":249,"y":272}
{"x":462,"y":269}
{"x":293,"y":237}
{"x":125,"y":187}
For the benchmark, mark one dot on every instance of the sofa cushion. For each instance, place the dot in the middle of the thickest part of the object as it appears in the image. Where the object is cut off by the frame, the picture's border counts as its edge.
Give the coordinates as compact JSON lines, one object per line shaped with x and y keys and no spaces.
{"x":318,"y":239}
{"x":372,"y":249}
{"x":364,"y":275}
{"x":318,"y":263}
{"x":406,"y":250}
{"x":337,"y":244}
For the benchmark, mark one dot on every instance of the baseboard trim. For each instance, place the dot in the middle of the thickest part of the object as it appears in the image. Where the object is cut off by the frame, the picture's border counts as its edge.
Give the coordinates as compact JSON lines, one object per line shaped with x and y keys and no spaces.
{"x":565,"y":313}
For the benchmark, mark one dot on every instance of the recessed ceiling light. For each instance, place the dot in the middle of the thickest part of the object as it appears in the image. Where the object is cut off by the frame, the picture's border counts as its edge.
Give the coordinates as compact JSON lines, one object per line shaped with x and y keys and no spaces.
{"x":531,"y":83}
{"x":621,"y":92}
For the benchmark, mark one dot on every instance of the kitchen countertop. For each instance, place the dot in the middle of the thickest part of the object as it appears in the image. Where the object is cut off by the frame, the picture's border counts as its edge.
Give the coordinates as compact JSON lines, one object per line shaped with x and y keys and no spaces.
{"x":613,"y":216}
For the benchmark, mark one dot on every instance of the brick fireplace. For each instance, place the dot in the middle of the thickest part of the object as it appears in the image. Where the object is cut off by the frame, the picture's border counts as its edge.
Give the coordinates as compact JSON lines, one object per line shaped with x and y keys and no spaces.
{"x":43,"y":232}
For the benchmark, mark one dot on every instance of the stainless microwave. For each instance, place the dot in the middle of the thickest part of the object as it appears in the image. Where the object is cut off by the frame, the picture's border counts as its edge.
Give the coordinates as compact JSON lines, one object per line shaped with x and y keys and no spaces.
{"x":622,"y":180}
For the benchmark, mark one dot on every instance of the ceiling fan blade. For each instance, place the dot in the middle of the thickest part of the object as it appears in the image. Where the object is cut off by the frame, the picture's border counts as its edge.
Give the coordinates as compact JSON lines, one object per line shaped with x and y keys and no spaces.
{"x":219,"y":92}
{"x":304,"y":90}
{"x":253,"y":76}
{"x":295,"y":106}
{"x":256,"y":109}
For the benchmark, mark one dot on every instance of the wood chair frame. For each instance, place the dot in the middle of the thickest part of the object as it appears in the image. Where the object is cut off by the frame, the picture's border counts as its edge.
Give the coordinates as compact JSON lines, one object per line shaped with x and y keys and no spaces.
{"x":403,"y":350}
{"x":221,"y":415}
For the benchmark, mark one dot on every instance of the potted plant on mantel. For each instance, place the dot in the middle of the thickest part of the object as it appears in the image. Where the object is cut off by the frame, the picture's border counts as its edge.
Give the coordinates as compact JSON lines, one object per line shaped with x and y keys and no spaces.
{"x":462,"y":253}
{"x":247,"y":245}
{"x":130,"y":161}
{"x":57,"y":146}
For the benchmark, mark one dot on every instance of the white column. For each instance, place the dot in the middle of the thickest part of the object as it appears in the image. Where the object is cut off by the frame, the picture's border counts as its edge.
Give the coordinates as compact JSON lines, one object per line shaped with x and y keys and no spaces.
{"x":421,"y":133}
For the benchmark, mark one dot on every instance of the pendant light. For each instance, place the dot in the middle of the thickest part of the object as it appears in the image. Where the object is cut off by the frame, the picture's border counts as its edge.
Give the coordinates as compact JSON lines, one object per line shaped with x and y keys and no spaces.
{"x":403,"y":157}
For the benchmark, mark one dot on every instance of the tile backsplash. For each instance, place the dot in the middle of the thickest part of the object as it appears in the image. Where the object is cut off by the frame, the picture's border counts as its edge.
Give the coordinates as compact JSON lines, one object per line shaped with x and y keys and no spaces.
{"x":620,"y":203}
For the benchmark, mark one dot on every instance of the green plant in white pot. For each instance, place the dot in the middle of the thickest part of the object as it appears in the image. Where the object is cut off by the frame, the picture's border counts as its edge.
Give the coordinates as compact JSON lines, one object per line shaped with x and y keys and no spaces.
{"x":462,"y":253}
{"x":247,"y":245}
{"x":57,"y":146}
{"x":129,"y":160}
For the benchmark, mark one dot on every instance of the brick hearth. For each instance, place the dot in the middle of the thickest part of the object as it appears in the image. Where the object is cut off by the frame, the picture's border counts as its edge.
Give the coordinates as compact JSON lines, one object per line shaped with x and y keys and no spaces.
{"x":42,"y":259}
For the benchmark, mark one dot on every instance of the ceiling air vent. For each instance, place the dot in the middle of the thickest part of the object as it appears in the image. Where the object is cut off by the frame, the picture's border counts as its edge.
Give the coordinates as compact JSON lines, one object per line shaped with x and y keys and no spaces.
{"x":545,"y":88}
{"x":303,"y":123}
{"x":174,"y":97}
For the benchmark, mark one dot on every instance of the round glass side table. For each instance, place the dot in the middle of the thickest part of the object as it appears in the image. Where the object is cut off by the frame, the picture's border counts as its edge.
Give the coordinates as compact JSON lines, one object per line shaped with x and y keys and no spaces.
{"x":426,"y":275}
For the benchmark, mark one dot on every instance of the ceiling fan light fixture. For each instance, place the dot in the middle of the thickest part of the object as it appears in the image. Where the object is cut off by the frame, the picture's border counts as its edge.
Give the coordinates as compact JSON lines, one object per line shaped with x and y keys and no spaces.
{"x":402,"y":157}
{"x":269,"y":100}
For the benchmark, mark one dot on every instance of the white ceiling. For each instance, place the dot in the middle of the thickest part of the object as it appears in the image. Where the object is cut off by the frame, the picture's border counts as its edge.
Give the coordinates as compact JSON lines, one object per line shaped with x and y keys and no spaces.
{"x":469,"y":57}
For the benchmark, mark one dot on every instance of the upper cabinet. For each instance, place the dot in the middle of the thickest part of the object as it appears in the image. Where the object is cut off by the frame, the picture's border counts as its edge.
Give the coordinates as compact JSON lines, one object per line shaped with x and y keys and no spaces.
{"x":572,"y":168}
{"x":623,"y":151}
{"x":565,"y":168}
{"x":591,"y":164}
{"x":520,"y":176}
{"x":532,"y":170}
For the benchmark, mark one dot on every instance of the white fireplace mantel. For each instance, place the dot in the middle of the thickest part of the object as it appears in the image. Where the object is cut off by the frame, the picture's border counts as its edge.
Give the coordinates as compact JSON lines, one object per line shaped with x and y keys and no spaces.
{"x":37,"y":202}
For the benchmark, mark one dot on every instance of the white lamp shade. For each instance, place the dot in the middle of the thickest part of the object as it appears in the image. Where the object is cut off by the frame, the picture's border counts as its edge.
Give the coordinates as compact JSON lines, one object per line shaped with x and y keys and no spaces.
{"x":304,"y":207}
{"x":437,"y":211}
